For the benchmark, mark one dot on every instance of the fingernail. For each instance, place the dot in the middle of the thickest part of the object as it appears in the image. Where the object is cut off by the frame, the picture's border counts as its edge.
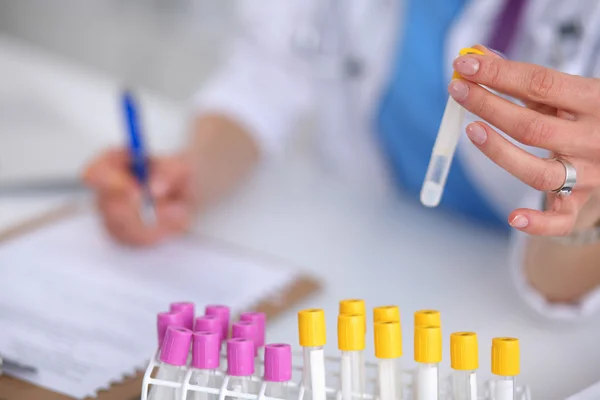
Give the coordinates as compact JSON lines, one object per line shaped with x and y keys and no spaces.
{"x":519,"y":222}
{"x":458,"y":89}
{"x":159,"y":187}
{"x":466,"y":65}
{"x":477,"y":133}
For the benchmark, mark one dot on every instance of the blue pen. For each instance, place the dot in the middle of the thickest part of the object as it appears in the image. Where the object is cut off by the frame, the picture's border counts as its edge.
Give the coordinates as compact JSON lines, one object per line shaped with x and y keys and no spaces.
{"x":139,"y":159}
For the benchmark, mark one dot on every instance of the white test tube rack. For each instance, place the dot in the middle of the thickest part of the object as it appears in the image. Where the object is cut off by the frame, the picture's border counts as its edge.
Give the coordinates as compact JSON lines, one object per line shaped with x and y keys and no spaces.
{"x":297,"y":388}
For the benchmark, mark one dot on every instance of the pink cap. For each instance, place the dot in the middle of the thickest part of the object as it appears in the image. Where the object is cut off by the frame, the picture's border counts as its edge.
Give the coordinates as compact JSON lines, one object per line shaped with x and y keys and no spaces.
{"x":187,"y":309}
{"x":206,"y":350}
{"x":278,"y":362}
{"x":176,"y":346}
{"x":240,"y":357}
{"x":222,"y":312}
{"x":166,"y":319}
{"x":245,"y":330}
{"x":260,"y":319}
{"x":208,"y":323}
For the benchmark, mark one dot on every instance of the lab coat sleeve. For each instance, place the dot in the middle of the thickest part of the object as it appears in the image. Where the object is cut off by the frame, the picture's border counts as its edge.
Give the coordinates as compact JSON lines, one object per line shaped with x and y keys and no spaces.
{"x":262,"y":84}
{"x":586,"y":307}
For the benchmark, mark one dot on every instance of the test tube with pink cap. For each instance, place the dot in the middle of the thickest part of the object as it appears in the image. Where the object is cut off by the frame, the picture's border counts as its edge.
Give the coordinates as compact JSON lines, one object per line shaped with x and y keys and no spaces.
{"x":187,"y":309}
{"x":240,"y":365}
{"x":165,"y":320}
{"x":224,"y":313}
{"x":278,"y":370}
{"x":173,"y":359}
{"x":206,"y":350}
{"x":247,"y":330}
{"x":260,"y":320}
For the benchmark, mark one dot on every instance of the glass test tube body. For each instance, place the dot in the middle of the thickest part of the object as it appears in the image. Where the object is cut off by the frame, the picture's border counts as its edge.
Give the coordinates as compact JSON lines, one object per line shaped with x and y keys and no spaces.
{"x":352,"y":374}
{"x":170,"y":373}
{"x":464,"y":385}
{"x":505,"y":388}
{"x":313,"y":372}
{"x":278,"y":390}
{"x":241,"y":384}
{"x":443,"y":153}
{"x":204,"y":378}
{"x":390,"y":384}
{"x":427,"y":382}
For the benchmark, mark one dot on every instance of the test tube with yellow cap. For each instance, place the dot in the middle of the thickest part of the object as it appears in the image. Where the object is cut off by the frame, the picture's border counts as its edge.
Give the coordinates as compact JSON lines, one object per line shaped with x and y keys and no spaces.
{"x":506,"y":366}
{"x":312,"y":334}
{"x":351,"y":342}
{"x":352,"y":307}
{"x":428,"y":318}
{"x":388,"y":349}
{"x":428,"y":355}
{"x":444,"y":148}
{"x":464,"y":355}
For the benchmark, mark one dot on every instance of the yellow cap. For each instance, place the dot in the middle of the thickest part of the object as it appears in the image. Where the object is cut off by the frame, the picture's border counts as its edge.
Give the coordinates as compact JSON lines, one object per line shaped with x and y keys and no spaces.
{"x":464,"y":351}
{"x":388,"y":339}
{"x":354,"y":306}
{"x":351,"y":332}
{"x":386,"y":313}
{"x":506,"y":356}
{"x":428,"y":318}
{"x":311,"y":327}
{"x":464,"y":52}
{"x":428,"y":344}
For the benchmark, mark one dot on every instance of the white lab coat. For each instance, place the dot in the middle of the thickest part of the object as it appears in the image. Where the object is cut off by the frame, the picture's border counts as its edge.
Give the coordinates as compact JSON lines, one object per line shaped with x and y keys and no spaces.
{"x":275,"y":64}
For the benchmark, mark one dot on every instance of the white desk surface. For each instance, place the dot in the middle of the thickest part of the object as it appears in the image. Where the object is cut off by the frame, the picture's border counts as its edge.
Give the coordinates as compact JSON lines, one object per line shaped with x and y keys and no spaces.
{"x":385,"y":251}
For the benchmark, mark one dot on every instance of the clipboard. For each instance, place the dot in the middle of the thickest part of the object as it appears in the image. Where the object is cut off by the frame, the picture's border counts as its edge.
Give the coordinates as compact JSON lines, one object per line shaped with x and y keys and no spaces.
{"x":130,"y":387}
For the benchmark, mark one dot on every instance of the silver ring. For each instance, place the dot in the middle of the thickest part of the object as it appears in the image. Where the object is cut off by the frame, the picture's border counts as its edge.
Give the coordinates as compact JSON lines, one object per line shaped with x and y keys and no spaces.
{"x":570,"y":179}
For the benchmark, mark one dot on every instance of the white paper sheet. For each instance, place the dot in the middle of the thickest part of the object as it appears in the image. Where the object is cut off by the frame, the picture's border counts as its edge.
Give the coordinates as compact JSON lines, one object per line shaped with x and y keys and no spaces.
{"x":83,"y":309}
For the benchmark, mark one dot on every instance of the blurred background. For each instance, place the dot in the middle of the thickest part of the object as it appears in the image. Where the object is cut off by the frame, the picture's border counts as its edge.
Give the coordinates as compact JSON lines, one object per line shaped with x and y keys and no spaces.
{"x":167,"y":46}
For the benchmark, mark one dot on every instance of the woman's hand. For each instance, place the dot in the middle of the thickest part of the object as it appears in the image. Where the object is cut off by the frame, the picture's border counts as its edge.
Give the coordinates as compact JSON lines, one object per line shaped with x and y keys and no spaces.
{"x":119,"y":197}
{"x":562,"y":115}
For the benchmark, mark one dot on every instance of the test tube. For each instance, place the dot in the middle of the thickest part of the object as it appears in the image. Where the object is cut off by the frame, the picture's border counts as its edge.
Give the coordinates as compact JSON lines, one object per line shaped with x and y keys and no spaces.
{"x":245,"y":330}
{"x":506,"y":366}
{"x":223,"y":312}
{"x":464,"y":355}
{"x":173,"y":359}
{"x":312,"y":335}
{"x":388,"y":349}
{"x":260,"y":320}
{"x":428,"y":355}
{"x":386,"y":313}
{"x":444,"y":148}
{"x":240,"y":364}
{"x":187,"y":309}
{"x":351,"y":342}
{"x":278,"y":370}
{"x":206,"y":348}
{"x":166,"y":319}
{"x":428,"y":318}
